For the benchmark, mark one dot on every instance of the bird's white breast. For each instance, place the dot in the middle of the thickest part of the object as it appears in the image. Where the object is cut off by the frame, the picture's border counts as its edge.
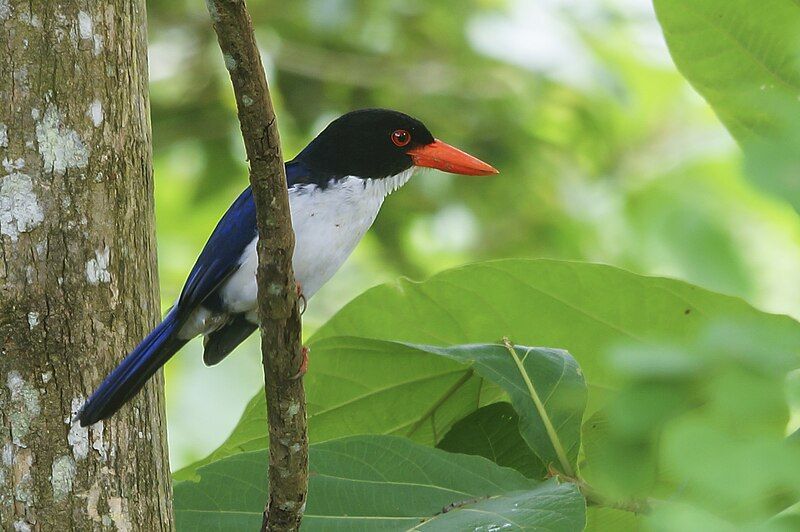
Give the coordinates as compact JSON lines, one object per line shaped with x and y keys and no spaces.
{"x":328,"y":224}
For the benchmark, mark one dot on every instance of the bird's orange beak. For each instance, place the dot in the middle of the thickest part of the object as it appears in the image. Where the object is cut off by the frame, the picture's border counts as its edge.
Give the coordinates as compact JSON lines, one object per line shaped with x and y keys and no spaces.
{"x":442,"y":156}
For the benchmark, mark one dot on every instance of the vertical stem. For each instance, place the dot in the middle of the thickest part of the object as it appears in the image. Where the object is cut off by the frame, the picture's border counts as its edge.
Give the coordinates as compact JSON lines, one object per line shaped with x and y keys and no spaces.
{"x":278,"y":308}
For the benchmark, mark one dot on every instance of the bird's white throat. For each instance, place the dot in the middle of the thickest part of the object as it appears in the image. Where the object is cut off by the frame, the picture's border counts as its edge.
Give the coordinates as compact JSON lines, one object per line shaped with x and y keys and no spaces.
{"x":383,"y":187}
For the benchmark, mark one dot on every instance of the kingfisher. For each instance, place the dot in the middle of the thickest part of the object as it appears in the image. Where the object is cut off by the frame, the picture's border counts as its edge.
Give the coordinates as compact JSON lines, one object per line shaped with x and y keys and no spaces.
{"x":336,"y":187}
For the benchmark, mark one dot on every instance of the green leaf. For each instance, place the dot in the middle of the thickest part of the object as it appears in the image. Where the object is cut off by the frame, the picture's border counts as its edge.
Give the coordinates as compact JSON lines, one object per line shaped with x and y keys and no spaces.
{"x":580,"y":307}
{"x":382,"y":483}
{"x":746,"y":63}
{"x":546,"y":388}
{"x":354,"y":387}
{"x":542,"y":508}
{"x":493,"y":432}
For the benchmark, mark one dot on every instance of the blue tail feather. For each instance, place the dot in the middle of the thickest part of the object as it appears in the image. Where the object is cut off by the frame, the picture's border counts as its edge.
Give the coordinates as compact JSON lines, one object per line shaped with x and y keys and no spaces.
{"x":134,"y":370}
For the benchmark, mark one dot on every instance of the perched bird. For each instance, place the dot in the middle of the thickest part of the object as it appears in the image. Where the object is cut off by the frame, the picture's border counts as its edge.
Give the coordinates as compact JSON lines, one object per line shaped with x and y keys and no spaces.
{"x":336,"y":187}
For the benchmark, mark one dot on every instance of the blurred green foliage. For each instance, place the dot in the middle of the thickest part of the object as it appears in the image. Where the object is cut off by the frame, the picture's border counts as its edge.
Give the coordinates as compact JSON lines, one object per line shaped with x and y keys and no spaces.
{"x":748,"y":68}
{"x":606,"y":155}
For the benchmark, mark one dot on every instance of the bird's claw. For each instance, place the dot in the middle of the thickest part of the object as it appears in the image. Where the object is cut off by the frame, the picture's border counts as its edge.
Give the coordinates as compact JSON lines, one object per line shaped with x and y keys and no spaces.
{"x":303,"y":364}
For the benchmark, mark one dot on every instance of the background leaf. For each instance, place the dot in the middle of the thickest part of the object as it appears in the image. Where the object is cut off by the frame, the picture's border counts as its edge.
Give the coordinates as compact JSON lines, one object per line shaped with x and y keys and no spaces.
{"x":601,"y":519}
{"x":746,"y":64}
{"x":382,"y":483}
{"x":583,"y":308}
{"x":691,"y":422}
{"x":493,"y":432}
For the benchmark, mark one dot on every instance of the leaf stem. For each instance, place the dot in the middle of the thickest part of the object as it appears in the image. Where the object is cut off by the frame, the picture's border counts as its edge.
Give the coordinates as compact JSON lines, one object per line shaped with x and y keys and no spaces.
{"x":548,"y":425}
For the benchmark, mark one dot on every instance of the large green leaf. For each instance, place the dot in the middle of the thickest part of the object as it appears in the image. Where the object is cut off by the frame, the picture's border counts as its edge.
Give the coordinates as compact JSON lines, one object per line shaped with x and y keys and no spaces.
{"x":353,"y":387}
{"x":493,"y":432}
{"x":744,"y":59}
{"x":580,"y":307}
{"x":382,"y":483}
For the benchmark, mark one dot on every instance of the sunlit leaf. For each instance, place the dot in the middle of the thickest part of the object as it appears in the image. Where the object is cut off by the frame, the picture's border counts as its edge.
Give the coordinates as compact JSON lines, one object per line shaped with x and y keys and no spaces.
{"x":583,"y":308}
{"x":746,"y":63}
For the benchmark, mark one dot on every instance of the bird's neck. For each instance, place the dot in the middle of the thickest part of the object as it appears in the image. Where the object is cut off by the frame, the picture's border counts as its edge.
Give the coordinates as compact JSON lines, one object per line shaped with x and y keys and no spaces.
{"x":302,"y":175}
{"x":380,"y":188}
{"x":369,"y":189}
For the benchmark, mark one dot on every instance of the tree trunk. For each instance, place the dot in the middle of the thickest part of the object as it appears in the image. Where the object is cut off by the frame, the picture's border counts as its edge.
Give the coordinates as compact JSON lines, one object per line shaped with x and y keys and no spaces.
{"x":78,"y":283}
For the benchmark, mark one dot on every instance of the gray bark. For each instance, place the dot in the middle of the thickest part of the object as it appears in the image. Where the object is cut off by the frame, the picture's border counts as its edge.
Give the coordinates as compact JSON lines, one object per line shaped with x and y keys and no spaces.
{"x":78,"y":282}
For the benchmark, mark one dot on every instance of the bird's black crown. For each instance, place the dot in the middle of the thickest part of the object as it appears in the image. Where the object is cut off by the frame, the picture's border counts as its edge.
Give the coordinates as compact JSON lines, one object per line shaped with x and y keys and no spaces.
{"x":369,"y":143}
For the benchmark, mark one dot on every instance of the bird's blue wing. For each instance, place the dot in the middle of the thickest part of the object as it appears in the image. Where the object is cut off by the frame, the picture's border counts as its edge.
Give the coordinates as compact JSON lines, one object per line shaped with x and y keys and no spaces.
{"x":222,"y":253}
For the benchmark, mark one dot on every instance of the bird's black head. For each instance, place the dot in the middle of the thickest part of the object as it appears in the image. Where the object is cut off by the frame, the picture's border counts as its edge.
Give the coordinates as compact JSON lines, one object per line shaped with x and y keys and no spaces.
{"x":379,"y":143}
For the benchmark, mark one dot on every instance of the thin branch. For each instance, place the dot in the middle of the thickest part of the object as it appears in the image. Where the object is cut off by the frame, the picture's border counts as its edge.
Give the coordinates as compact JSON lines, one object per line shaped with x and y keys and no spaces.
{"x":277,"y":299}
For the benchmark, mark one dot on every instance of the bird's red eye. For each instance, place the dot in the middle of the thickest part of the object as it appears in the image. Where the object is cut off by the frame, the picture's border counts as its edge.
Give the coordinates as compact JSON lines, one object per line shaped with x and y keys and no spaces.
{"x":401,"y":137}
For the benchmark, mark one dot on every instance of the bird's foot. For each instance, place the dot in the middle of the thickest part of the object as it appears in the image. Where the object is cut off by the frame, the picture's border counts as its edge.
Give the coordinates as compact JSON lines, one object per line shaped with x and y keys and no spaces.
{"x":301,"y":298}
{"x":303,"y":365}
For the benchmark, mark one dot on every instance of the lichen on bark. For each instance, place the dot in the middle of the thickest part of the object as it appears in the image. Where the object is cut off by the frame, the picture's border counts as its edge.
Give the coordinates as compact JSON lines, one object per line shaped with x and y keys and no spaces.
{"x":78,"y":284}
